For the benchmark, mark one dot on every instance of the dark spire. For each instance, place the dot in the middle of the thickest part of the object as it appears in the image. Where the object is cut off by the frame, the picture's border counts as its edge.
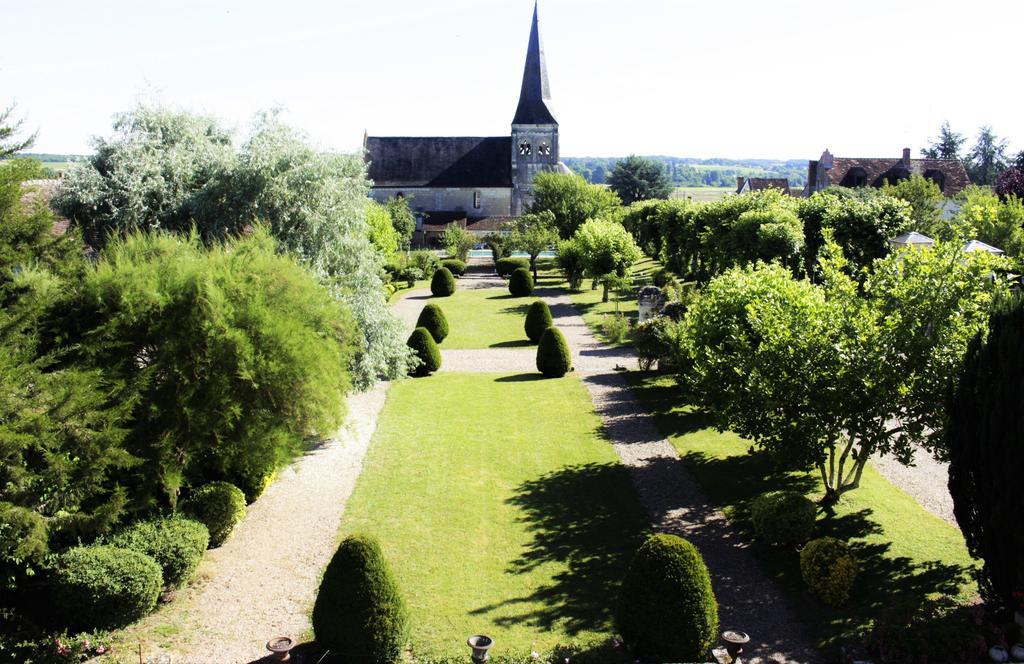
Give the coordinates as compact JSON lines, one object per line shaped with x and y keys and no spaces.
{"x":535,"y":97}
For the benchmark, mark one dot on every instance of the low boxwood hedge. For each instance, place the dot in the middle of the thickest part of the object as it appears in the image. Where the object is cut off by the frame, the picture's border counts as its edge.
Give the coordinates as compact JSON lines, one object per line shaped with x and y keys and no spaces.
{"x":455,"y":266}
{"x":784,"y":517}
{"x":829,"y":569}
{"x":219,"y":506}
{"x":177,"y":544}
{"x":506,"y":266}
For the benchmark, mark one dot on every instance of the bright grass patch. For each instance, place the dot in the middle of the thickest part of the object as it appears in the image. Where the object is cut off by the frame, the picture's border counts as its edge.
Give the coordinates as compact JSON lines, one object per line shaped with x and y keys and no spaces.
{"x":900,"y":547}
{"x":501,"y":510}
{"x":482,"y":318}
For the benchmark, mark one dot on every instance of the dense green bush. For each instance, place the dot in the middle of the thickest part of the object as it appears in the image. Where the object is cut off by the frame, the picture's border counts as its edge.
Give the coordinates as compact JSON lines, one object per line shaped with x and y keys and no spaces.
{"x":217,"y":505}
{"x":175,"y":543}
{"x":571,"y":262}
{"x":426,"y":350}
{"x":104,"y":587}
{"x":783,"y":517}
{"x":506,"y":266}
{"x":455,"y":266}
{"x":520,"y":284}
{"x":553,"y":356}
{"x":829,"y":569}
{"x":656,"y":342}
{"x":231,"y":356}
{"x":426,"y":262}
{"x":442,"y":284}
{"x":433,"y":318}
{"x":667,"y":609}
{"x":359,"y":612}
{"x":538,"y":319}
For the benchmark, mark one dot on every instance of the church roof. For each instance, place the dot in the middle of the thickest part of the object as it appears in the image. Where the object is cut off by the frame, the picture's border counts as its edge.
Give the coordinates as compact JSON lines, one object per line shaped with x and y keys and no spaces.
{"x":535,"y":96}
{"x":460,"y":161}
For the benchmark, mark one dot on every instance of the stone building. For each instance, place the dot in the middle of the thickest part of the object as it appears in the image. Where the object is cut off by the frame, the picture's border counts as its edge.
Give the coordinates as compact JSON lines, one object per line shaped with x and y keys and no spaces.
{"x":949,"y":174}
{"x":473,"y":180}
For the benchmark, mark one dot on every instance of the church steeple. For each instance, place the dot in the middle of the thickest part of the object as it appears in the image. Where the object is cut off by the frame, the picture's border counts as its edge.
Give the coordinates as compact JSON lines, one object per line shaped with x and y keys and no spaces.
{"x":535,"y":97}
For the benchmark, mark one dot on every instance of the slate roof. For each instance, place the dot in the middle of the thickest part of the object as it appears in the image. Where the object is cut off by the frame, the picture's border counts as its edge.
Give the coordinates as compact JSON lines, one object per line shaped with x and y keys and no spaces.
{"x":876,"y":170}
{"x":461,"y":161}
{"x":760,"y":184}
{"x":913,"y":238}
{"x":535,"y":95}
{"x":978,"y":245}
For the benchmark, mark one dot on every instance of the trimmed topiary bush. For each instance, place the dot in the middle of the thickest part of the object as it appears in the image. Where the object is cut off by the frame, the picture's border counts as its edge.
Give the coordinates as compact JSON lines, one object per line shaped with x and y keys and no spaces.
{"x":506,"y":266}
{"x":538,"y":319}
{"x":432,"y":318}
{"x":442,"y":284}
{"x":455,"y":266}
{"x":423,"y":344}
{"x":359,"y":613}
{"x":520,"y":284}
{"x":103,"y":587}
{"x":667,"y":609}
{"x":553,"y":357}
{"x":829,"y":569}
{"x":176,"y":544}
{"x":219,"y":506}
{"x":783,"y":517}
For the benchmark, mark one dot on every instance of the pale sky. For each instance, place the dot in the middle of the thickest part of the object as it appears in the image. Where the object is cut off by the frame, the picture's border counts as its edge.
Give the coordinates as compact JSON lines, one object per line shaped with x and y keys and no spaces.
{"x":740,"y":79}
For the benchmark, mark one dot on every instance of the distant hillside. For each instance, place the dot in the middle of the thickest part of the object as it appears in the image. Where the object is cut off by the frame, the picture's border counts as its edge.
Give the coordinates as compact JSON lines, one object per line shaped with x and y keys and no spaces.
{"x":692,"y":172}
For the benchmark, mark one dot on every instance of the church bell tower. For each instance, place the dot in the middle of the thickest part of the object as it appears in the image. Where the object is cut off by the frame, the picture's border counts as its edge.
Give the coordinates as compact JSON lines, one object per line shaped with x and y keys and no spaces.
{"x":534,"y":128}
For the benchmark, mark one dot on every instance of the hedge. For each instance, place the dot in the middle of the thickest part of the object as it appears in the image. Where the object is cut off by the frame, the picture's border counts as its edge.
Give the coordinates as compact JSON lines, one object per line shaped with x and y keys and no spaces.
{"x":359,"y":613}
{"x":176,"y":544}
{"x":829,"y":569}
{"x":455,"y":266}
{"x":784,"y":517}
{"x":538,"y":319}
{"x":442,"y":284}
{"x":520,"y":284}
{"x":667,"y":610}
{"x":426,"y":350}
{"x":217,"y":505}
{"x":553,"y":357}
{"x":434,"y":320}
{"x":506,"y":266}
{"x":103,"y":587}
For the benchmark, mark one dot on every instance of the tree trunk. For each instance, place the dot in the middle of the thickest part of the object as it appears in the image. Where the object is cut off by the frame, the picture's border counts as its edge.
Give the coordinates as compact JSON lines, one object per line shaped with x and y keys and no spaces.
{"x":533,"y":266}
{"x":604,"y":296}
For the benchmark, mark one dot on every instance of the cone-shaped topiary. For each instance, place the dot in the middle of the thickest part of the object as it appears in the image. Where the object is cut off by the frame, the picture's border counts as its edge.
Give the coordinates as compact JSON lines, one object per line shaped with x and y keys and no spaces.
{"x":434,"y":320}
{"x":423,"y":344}
{"x":520,"y":284}
{"x":442,"y":284}
{"x":553,"y":357}
{"x":667,"y":609}
{"x":538,"y":319}
{"x":359,"y":613}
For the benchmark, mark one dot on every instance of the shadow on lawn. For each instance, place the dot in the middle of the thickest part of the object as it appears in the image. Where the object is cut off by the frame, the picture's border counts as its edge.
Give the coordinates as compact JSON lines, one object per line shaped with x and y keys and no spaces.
{"x":520,"y":378}
{"x":586,"y":519}
{"x":517,"y":343}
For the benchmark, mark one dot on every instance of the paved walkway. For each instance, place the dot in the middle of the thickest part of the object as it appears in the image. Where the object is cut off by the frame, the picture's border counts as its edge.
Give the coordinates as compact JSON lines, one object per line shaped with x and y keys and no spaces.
{"x":262,"y":582}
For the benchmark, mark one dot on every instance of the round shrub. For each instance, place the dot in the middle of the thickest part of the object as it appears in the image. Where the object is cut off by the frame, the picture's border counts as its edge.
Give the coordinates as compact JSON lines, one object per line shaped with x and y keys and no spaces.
{"x":103,"y":587}
{"x":434,"y":320}
{"x":829,"y":569}
{"x":442,"y":284}
{"x":553,"y":357}
{"x":359,"y":612}
{"x":219,"y":506}
{"x":175,"y":543}
{"x":783,"y":517}
{"x":506,"y":266}
{"x":667,"y":609}
{"x":455,"y":266}
{"x":538,"y":319}
{"x":520,"y":284}
{"x":423,"y":345}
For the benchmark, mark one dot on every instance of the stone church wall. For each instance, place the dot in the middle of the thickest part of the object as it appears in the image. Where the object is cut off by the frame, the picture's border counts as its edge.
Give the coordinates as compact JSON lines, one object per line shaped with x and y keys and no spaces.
{"x":494,"y":201}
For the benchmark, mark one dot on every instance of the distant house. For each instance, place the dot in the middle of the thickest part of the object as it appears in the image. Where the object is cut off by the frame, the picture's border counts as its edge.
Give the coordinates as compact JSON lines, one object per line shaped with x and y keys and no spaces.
{"x":745,"y":185}
{"x":45,"y":190}
{"x":949,"y":174}
{"x":429,"y":231}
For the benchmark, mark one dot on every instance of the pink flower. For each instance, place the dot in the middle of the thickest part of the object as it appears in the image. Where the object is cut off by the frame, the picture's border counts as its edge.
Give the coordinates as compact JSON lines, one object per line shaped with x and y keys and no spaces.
{"x":100,"y":650}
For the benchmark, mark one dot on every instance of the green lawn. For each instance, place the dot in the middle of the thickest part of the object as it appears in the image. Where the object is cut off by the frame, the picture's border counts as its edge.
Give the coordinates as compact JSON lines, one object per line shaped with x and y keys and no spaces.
{"x":703,"y":194}
{"x":500,"y":508}
{"x":482,"y":318}
{"x":902,"y":549}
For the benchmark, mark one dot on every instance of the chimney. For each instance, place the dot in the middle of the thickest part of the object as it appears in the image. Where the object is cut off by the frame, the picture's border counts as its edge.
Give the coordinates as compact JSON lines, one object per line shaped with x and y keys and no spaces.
{"x":906,"y":157}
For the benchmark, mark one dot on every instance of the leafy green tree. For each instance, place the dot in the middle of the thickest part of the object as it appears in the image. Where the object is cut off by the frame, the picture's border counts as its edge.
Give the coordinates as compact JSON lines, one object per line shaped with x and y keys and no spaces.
{"x":608,"y":250}
{"x":457,"y":241}
{"x":637,"y":179}
{"x":532,"y":233}
{"x":947,"y":144}
{"x":571,"y":200}
{"x":402,"y":219}
{"x":987,"y":159}
{"x":925,"y":199}
{"x":382,"y":233}
{"x":986,"y":459}
{"x":9,"y":130}
{"x":993,"y":221}
{"x":783,"y":362}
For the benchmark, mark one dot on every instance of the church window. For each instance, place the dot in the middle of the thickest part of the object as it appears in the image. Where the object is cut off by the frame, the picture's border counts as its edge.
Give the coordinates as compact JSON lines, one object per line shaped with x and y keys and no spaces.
{"x":544,"y":149}
{"x":476,"y":200}
{"x":525,"y":148}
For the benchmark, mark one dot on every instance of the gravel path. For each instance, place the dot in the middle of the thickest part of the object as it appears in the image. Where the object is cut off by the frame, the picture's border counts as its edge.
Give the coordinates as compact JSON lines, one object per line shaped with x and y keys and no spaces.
{"x":262,"y":582}
{"x":927,"y":482}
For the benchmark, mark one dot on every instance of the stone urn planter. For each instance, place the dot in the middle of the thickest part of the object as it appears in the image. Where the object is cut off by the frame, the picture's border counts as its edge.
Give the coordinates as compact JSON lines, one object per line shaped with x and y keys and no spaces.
{"x":480,"y":645}
{"x":281,"y":646}
{"x":734,"y":641}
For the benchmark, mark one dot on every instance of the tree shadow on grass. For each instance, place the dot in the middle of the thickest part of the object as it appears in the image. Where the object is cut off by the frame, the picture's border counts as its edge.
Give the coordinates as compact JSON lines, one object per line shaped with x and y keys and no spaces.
{"x":586,"y":519}
{"x":516,"y":343}
{"x":520,"y":378}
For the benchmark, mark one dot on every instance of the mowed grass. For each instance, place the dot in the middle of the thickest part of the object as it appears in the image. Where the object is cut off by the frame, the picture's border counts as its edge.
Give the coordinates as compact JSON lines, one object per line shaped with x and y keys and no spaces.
{"x":703,"y":194}
{"x":901,"y":548}
{"x":483,"y":318}
{"x":501,"y":510}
